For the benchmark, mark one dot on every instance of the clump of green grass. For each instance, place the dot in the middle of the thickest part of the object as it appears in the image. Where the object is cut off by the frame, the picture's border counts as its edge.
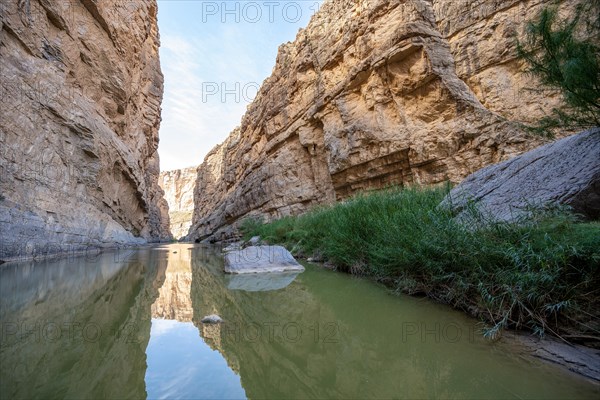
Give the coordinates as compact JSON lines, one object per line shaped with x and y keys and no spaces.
{"x":541,"y":274}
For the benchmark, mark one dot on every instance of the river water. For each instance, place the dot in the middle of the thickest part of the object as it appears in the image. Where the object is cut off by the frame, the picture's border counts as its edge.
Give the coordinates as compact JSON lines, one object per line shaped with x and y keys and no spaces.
{"x":127,"y":324}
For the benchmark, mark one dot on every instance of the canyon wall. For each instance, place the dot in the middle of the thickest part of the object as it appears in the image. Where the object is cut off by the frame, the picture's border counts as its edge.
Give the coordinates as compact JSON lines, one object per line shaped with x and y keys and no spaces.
{"x":376,"y":93}
{"x":81,"y":93}
{"x":179,"y":186}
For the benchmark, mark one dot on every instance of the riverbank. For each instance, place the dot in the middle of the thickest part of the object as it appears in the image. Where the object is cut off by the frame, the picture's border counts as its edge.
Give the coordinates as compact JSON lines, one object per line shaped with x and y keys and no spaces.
{"x":580,"y":360}
{"x":539,"y":275}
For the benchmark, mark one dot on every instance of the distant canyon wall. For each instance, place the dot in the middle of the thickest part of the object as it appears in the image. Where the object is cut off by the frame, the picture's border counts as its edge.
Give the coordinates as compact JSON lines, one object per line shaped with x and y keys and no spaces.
{"x":179,"y":186}
{"x":81,"y":95}
{"x":374,"y":93}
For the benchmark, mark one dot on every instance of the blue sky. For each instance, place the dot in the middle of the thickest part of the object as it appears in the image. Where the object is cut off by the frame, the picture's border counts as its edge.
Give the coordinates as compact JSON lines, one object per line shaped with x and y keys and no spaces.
{"x":181,"y":365}
{"x":215,"y":55}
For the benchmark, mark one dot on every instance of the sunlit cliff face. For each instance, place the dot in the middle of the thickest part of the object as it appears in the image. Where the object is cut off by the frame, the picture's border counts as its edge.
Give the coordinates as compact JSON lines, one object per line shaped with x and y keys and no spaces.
{"x":373,"y":94}
{"x":179,"y":188}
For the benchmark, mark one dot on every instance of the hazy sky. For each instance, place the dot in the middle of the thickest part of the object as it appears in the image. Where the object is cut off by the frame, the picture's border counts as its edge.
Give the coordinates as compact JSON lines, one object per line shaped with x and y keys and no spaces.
{"x":215,"y":55}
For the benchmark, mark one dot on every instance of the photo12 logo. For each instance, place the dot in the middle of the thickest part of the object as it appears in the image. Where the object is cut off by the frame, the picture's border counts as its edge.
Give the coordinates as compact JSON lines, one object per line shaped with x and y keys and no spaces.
{"x":68,"y":331}
{"x":282,"y":331}
{"x":254,"y":11}
{"x":224,"y":92}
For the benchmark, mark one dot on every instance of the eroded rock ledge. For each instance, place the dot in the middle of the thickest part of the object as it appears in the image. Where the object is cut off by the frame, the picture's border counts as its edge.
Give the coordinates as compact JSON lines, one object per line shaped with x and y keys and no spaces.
{"x":374,"y":93}
{"x":81,"y":94}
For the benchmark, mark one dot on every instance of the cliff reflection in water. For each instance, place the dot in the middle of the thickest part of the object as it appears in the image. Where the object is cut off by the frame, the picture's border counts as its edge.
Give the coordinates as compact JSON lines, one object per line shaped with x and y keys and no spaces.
{"x":180,"y":363}
{"x":130,"y":327}
{"x":329,"y":335}
{"x":77,"y":328}
{"x":174,"y":301}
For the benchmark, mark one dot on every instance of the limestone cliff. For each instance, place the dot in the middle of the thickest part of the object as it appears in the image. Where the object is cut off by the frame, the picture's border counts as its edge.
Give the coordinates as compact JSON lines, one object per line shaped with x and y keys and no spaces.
{"x":81,"y":94}
{"x":374,"y":93}
{"x":178,"y":186}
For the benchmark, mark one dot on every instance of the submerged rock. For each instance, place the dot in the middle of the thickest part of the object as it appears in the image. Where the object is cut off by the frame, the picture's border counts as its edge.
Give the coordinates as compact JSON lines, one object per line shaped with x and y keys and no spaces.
{"x":565,"y":172}
{"x":257,"y":259}
{"x":211,"y":319}
{"x":260,"y":282}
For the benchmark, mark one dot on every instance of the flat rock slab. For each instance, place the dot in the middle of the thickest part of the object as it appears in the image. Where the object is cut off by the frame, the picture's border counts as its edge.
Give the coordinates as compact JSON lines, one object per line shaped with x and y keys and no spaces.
{"x":260,"y":282}
{"x":566,"y":172}
{"x":259,"y":259}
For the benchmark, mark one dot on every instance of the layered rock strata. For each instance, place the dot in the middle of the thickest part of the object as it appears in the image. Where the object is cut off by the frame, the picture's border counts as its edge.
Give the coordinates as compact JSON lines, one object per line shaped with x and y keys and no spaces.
{"x":81,"y":94}
{"x":179,"y":186}
{"x":376,"y":93}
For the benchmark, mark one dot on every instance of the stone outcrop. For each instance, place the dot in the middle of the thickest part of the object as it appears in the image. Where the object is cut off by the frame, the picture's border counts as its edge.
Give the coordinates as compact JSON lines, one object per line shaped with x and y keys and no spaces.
{"x":81,"y":93}
{"x":376,"y":93}
{"x":179,"y":186}
{"x":581,"y":360}
{"x":564,"y":172}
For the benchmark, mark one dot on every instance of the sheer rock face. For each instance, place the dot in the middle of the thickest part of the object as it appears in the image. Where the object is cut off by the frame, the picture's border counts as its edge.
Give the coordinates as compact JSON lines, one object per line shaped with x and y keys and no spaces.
{"x":81,"y":94}
{"x":370,"y":94}
{"x":179,"y":186}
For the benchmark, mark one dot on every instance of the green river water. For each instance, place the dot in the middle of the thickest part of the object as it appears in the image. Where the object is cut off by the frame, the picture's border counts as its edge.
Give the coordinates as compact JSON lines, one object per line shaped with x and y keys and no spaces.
{"x":128,"y":324}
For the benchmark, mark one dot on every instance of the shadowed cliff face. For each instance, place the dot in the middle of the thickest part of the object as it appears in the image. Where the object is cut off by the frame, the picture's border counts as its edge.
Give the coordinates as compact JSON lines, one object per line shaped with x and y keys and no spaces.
{"x":78,"y":328}
{"x":80,"y":99}
{"x":371,"y":94}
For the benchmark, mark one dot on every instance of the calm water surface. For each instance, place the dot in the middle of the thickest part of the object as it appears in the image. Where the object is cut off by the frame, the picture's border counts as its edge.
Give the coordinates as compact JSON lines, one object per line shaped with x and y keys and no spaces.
{"x":128,"y":325}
